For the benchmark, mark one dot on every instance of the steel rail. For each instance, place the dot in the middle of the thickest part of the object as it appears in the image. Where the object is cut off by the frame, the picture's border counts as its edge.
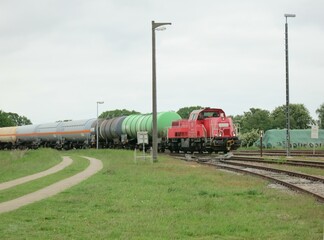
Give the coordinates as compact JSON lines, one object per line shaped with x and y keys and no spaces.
{"x":308,"y":153}
{"x":294,"y":174}
{"x":237,"y":167}
{"x":315,"y":164}
{"x":281,"y":182}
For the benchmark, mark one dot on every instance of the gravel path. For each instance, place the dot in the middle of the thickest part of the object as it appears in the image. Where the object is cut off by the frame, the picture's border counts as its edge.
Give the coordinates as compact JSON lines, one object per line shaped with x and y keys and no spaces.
{"x":95,"y":166}
{"x":66,"y":162}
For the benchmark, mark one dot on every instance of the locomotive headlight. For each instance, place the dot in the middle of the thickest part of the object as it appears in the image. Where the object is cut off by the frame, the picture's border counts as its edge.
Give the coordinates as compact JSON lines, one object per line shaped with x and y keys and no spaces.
{"x":234,"y":134}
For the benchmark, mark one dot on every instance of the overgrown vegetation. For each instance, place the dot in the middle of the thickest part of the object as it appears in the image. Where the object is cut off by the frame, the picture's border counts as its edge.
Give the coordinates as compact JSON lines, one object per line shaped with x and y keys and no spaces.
{"x":170,"y":199}
{"x":260,"y":119}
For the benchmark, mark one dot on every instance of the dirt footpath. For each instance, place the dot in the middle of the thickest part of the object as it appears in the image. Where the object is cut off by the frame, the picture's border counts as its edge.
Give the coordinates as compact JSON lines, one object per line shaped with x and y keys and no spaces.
{"x":65,"y":162}
{"x":95,"y":166}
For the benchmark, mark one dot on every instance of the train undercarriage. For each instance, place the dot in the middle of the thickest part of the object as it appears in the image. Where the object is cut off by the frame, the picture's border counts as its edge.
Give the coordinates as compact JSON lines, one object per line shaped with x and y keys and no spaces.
{"x":209,"y":145}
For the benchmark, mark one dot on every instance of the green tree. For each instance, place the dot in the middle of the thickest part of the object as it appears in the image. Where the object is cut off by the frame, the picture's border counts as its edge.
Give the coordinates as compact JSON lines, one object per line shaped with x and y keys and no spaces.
{"x":185,"y":111}
{"x":256,"y":118}
{"x":19,"y":120}
{"x":4,"y":119}
{"x":12,"y":119}
{"x":117,"y":113}
{"x":299,"y":117}
{"x":320,"y":112}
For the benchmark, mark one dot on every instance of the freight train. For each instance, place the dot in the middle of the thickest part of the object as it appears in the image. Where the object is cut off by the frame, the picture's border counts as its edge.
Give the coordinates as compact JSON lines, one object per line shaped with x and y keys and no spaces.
{"x":215,"y":132}
{"x":114,"y":132}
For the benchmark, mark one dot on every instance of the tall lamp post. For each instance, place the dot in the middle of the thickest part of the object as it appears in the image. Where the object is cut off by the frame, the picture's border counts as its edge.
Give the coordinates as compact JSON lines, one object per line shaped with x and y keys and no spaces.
{"x":287,"y":87}
{"x":97,"y":132}
{"x":155,"y":25}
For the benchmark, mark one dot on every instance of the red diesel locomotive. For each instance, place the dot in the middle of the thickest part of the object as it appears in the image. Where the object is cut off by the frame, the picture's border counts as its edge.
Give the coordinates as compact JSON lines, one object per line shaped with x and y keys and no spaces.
{"x":206,"y":130}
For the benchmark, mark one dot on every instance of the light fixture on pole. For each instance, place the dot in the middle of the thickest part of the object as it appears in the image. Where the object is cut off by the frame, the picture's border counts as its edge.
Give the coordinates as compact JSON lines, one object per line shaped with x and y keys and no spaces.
{"x":287,"y":88}
{"x":97,"y":128}
{"x":154,"y":104}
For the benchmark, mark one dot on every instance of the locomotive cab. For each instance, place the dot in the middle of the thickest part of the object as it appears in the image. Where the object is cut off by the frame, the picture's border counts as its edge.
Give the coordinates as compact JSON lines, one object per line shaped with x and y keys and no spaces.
{"x":206,"y":113}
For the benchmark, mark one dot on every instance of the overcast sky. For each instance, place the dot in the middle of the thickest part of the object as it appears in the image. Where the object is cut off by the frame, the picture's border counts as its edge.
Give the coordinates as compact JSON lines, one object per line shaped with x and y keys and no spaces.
{"x":58,"y":58}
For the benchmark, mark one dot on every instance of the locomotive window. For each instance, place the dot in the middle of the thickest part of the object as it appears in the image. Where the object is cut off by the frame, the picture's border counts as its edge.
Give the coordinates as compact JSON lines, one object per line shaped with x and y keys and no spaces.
{"x":223,"y":125}
{"x":210,"y":114}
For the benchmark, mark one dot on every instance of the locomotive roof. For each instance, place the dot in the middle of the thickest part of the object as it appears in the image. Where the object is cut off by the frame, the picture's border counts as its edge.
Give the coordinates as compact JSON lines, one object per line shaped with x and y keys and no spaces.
{"x":194,"y":114}
{"x":217,"y":110}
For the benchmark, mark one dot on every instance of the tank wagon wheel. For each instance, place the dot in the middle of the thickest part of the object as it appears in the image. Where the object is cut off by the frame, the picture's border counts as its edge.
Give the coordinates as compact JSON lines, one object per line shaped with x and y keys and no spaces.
{"x":161,"y":150}
{"x":66,"y":147}
{"x":85,"y":146}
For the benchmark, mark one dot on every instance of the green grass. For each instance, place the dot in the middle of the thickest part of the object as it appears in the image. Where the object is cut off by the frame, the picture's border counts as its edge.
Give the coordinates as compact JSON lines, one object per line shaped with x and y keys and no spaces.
{"x":170,"y":199}
{"x":16,"y":164}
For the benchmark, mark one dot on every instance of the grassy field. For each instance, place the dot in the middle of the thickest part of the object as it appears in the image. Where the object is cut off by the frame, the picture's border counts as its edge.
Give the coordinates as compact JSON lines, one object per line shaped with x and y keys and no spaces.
{"x":15,"y":164}
{"x":170,"y":199}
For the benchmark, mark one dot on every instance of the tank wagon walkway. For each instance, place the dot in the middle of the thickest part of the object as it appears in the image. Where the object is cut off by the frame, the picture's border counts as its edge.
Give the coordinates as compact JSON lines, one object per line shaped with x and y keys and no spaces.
{"x":95,"y":166}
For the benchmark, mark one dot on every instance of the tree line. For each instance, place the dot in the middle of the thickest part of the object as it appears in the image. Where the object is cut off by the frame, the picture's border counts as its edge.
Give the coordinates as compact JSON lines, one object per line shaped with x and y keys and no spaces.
{"x":252,"y":122}
{"x":8,"y":119}
{"x":249,"y":122}
{"x":257,"y":118}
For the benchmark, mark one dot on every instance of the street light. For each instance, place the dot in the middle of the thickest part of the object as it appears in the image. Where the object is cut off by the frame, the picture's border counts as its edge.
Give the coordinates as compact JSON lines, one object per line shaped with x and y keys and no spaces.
{"x":287,"y":87}
{"x":154,"y":108}
{"x":97,"y":132}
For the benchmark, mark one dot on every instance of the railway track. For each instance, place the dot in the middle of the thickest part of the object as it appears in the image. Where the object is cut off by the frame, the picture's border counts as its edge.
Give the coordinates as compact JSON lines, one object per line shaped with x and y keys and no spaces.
{"x":304,"y":183}
{"x":308,"y":153}
{"x":302,"y":163}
